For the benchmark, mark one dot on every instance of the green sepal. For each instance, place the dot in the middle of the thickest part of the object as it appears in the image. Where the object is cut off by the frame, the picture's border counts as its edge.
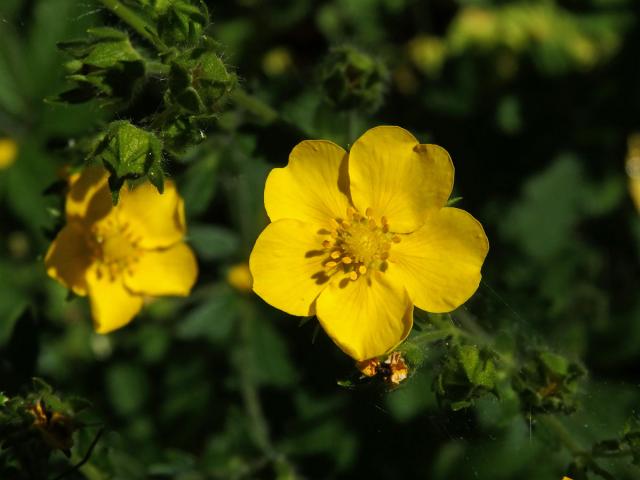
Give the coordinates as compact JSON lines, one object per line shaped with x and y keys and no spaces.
{"x":105,"y":64}
{"x":468,"y":372}
{"x":353,"y":79}
{"x":181,"y":22}
{"x":547,"y":382}
{"x":130,"y":153}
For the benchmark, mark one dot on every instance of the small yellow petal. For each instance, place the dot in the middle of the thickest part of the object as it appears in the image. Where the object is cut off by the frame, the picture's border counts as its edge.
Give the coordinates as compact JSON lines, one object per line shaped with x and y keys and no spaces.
{"x":286,"y":265}
{"x":8,"y":152}
{"x":69,"y":257}
{"x":312,"y":187}
{"x":366,"y":318}
{"x":89,"y":197}
{"x":112,"y":305}
{"x":396,"y":177}
{"x":156,"y":219}
{"x":171,"y":271}
{"x":440,"y":263}
{"x":239,"y":277}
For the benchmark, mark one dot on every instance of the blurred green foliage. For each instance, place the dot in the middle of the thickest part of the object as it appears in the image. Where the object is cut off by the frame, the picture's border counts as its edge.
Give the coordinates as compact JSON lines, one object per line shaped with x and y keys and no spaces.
{"x":534,"y":378}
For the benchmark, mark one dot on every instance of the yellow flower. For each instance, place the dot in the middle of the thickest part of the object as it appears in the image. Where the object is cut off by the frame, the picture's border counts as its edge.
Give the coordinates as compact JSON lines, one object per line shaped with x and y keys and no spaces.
{"x":239,"y":277}
{"x":8,"y":152}
{"x":358,"y":238}
{"x":117,"y":255}
{"x":633,"y":168}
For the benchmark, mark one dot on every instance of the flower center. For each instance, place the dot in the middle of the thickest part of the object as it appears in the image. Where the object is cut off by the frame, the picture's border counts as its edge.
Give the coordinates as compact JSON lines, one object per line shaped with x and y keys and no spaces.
{"x":358,"y":244}
{"x":114,"y":247}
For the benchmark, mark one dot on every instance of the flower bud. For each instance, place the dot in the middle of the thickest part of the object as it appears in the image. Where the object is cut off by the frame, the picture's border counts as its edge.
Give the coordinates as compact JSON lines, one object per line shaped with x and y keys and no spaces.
{"x":352,"y":79}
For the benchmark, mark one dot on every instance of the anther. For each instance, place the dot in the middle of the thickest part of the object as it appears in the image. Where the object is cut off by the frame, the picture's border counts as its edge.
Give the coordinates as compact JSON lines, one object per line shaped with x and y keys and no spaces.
{"x":335,"y":254}
{"x":362,"y":269}
{"x":350,"y":212}
{"x":326,"y":244}
{"x":372,"y":224}
{"x":353,"y":275}
{"x":347,"y":260}
{"x":384,"y":220}
{"x":330,"y":264}
{"x":368,"y":212}
{"x":395,"y":239}
{"x":385,"y":228}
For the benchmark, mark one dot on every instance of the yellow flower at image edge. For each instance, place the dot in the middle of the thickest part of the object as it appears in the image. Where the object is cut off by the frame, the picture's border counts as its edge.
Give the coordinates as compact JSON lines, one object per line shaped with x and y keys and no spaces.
{"x":8,"y":152}
{"x":117,"y":255}
{"x":359,"y":238}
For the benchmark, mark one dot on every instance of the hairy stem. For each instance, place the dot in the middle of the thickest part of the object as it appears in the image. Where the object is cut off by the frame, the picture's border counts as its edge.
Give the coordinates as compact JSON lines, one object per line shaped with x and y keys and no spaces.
{"x":255,"y":106}
{"x":131,"y":18}
{"x":250,"y":396}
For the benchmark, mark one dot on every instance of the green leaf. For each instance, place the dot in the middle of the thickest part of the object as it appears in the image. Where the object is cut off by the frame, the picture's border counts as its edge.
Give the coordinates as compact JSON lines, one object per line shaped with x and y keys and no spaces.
{"x":478,"y":366}
{"x":198,"y":185}
{"x":213,"y":242}
{"x":213,"y":320}
{"x":269,"y":356}
{"x":127,"y":387}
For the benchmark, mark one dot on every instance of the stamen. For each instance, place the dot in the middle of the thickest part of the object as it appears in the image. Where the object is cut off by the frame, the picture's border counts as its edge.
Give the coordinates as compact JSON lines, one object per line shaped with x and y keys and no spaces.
{"x":350,"y":212}
{"x":358,"y":244}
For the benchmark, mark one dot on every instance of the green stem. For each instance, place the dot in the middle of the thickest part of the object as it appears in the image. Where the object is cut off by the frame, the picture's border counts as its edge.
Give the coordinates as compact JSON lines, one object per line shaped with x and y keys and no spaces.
{"x":248,"y":388}
{"x":553,"y":424}
{"x":137,"y":23}
{"x":157,"y":68}
{"x":254,"y":105}
{"x":432,"y":336}
{"x":250,"y":395}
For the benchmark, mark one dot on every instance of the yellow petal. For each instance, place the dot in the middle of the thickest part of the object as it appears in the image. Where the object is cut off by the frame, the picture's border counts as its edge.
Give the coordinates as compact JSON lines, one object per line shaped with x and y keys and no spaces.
{"x":8,"y":152}
{"x":163,"y":272}
{"x":156,"y":219}
{"x":367,"y":317}
{"x":440,"y":264}
{"x":313,"y":187}
{"x":89,"y":197}
{"x":112,"y":305}
{"x":69,"y":257}
{"x":395,"y":176}
{"x":286,"y":266}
